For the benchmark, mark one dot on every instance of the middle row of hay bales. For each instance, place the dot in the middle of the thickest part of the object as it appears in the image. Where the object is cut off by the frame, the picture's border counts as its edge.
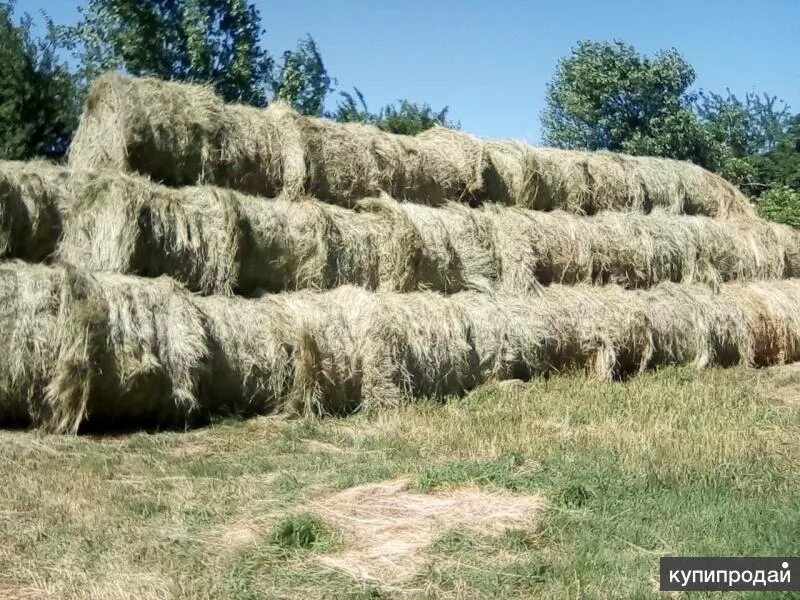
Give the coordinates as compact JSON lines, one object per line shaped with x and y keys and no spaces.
{"x":181,"y":134}
{"x":33,"y":198}
{"x":109,"y":348}
{"x":215,"y":240}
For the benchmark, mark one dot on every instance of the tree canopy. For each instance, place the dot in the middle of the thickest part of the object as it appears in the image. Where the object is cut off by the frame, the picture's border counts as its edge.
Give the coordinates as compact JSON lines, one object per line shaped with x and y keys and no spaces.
{"x":190,"y":40}
{"x":608,"y":96}
{"x":38,"y":109}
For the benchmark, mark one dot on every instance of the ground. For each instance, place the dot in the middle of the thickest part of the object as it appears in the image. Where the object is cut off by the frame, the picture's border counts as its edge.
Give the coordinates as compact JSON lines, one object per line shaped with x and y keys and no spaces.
{"x":559,"y":488}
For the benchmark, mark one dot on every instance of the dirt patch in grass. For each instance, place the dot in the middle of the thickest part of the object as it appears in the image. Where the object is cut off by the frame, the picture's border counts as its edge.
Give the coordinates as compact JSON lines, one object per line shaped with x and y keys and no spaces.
{"x":387,"y":527}
{"x":315,"y":446}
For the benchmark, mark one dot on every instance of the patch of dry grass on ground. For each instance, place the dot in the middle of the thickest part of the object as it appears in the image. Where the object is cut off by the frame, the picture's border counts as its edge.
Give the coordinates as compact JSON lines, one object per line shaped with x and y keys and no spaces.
{"x":673,"y":462}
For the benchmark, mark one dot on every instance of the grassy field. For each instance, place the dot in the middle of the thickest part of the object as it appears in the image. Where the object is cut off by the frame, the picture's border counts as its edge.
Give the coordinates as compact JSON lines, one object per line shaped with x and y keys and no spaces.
{"x":612,"y":476}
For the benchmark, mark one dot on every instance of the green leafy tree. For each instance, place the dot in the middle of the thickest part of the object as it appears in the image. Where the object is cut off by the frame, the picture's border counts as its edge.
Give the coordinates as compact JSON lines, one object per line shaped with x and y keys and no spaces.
{"x":608,"y":96}
{"x":38,"y":108}
{"x":302,"y":79}
{"x":404,"y":117}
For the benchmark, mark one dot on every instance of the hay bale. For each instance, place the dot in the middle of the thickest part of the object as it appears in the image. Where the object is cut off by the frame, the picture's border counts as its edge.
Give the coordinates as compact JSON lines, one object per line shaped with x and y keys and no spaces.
{"x":630,"y":250}
{"x":471,"y":234}
{"x":127,"y":224}
{"x":773,"y":313}
{"x":105,"y":348}
{"x":296,"y":352}
{"x":29,"y":310}
{"x":184,"y":134}
{"x":33,"y":198}
{"x":425,"y":344}
{"x":168,"y":130}
{"x":251,"y":344}
{"x":590,"y":182}
{"x":414,"y":246}
{"x":456,"y":162}
{"x":695,"y":325}
{"x":789,"y":239}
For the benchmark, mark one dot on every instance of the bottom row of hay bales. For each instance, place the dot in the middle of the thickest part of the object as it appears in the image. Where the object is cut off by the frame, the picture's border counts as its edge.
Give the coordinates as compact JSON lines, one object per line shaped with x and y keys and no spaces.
{"x":107,"y":349}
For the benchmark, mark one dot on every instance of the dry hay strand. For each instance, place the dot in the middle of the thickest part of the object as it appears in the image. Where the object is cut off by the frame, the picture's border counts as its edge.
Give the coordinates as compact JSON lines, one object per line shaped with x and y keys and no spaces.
{"x":389,"y":527}
{"x":33,"y":198}
{"x":589,"y":182}
{"x":108,"y":348}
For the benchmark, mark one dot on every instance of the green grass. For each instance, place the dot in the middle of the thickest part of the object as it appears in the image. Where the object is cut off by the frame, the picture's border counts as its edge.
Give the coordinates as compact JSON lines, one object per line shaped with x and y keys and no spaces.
{"x":302,"y":532}
{"x":668,"y":463}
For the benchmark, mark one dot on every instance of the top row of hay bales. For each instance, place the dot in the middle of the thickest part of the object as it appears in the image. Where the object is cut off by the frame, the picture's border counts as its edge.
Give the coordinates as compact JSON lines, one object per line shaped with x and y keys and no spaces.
{"x":182,"y":134}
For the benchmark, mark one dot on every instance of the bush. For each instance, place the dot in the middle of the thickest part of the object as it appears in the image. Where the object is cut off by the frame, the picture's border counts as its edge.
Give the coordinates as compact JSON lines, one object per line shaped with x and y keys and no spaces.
{"x":781,"y":204}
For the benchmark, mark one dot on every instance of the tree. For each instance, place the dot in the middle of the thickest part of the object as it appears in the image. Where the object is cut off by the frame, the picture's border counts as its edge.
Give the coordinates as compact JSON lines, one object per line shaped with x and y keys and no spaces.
{"x":206,"y":41}
{"x":38,"y":108}
{"x":608,"y":96}
{"x":781,"y":165}
{"x":755,"y":134}
{"x":745,"y":127}
{"x":302,"y":79}
{"x":189,"y":40}
{"x":404,"y":117}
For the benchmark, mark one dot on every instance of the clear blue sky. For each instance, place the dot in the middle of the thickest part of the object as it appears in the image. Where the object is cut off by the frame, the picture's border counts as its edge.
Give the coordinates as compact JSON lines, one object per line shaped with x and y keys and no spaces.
{"x":490,"y":61}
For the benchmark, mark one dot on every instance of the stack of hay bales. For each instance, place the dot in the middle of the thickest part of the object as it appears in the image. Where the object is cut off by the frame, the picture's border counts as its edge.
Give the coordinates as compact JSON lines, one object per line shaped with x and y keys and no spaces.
{"x":183,"y":134}
{"x":198,"y":257}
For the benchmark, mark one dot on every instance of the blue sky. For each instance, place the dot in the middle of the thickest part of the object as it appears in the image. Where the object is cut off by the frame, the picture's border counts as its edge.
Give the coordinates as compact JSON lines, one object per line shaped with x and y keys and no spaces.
{"x":491,"y":61}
